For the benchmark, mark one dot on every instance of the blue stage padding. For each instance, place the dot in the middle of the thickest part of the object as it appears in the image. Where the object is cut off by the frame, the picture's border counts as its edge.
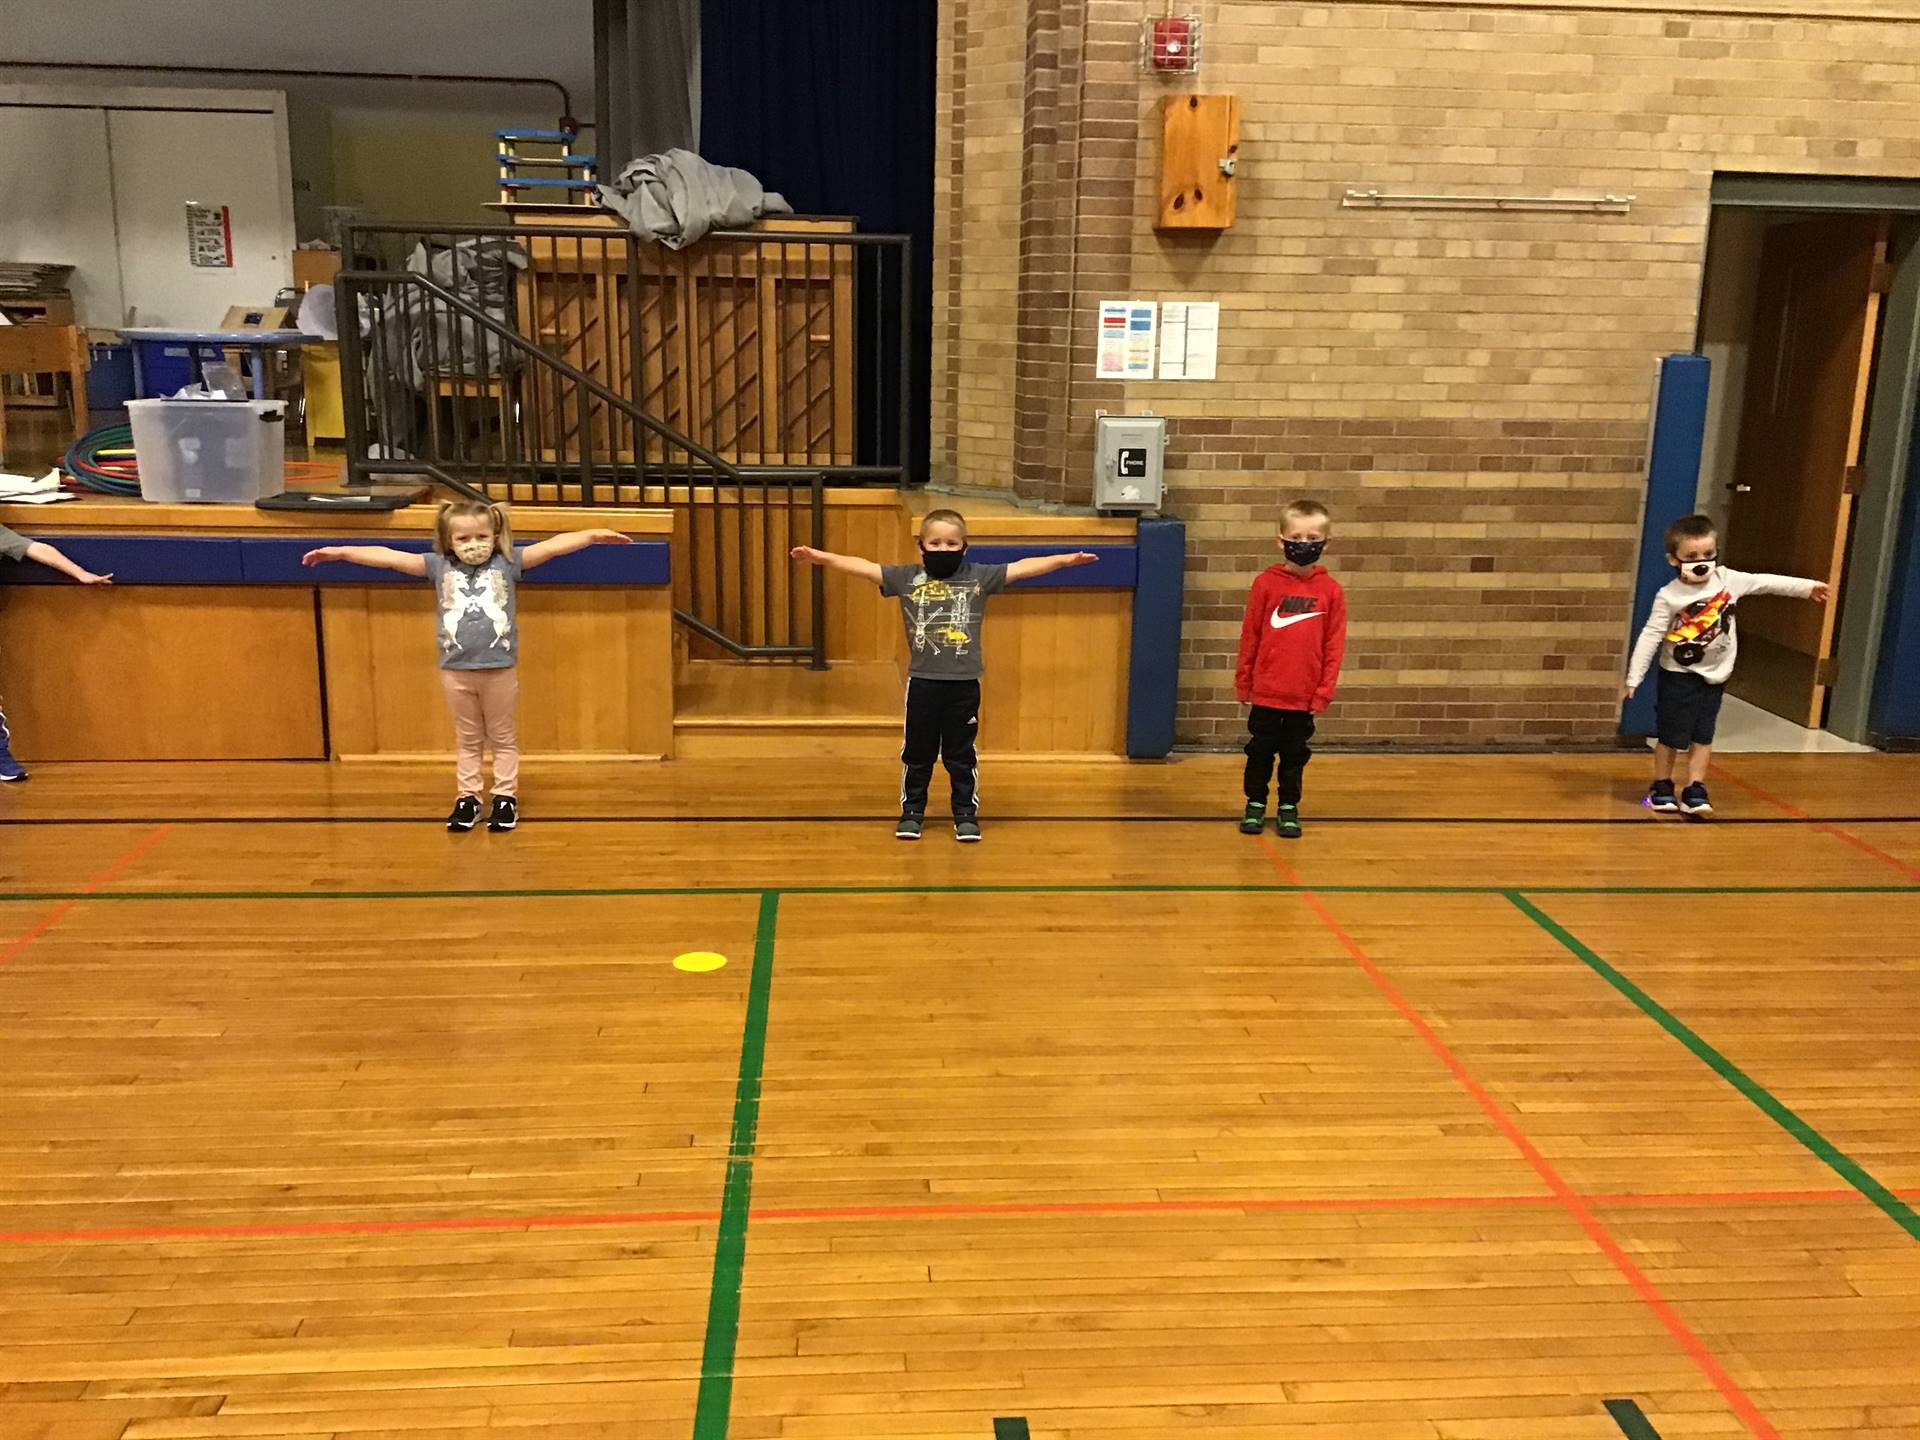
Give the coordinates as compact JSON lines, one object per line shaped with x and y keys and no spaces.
{"x":1114,"y":570}
{"x":1153,"y":667}
{"x":195,"y":560}
{"x":136,"y":560}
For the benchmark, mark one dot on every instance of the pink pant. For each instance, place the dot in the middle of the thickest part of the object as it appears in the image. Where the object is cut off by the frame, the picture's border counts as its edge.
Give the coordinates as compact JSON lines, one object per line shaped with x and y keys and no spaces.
{"x":483,"y":704}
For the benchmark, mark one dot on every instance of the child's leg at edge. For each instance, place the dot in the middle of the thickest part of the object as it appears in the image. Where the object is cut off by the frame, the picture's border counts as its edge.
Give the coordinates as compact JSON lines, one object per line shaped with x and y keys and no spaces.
{"x":469,"y":727}
{"x":1295,"y":752}
{"x":1698,"y":759}
{"x":1664,"y":757}
{"x":1262,"y":749}
{"x":920,"y":747}
{"x":501,"y":693}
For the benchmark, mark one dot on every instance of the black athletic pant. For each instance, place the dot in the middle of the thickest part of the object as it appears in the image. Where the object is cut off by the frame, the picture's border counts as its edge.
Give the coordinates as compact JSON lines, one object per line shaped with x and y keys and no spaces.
{"x":943,"y":717}
{"x":1277,"y":735}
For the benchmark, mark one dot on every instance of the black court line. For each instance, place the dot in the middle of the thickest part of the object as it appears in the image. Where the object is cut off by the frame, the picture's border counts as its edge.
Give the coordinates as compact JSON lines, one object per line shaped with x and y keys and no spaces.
{"x":1633,"y":1424}
{"x":434,"y":821}
{"x":1011,"y":1427}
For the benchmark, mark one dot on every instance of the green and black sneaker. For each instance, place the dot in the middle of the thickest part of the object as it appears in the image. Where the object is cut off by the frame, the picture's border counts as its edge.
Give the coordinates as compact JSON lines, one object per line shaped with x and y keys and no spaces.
{"x":1287,"y":822}
{"x":1255,"y":817}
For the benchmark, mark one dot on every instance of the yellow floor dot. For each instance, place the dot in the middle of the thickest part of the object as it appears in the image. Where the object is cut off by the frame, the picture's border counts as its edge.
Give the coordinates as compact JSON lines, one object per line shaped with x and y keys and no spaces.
{"x":699,"y":962}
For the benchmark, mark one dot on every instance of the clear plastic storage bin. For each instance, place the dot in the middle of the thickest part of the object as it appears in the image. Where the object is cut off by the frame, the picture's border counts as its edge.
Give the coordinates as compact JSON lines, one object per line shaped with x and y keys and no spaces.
{"x":224,"y":452}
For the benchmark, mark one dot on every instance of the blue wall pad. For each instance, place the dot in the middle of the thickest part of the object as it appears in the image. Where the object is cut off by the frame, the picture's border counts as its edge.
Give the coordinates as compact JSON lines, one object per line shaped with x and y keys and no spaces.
{"x":1114,"y":570}
{"x":277,"y":562}
{"x":238,"y":560}
{"x":1895,"y":711}
{"x":1673,"y":486}
{"x":136,"y":560}
{"x":1153,"y":669}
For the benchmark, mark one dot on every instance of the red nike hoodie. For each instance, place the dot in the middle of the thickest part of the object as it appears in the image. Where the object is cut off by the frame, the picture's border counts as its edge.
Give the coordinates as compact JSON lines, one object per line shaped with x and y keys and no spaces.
{"x":1292,"y":640}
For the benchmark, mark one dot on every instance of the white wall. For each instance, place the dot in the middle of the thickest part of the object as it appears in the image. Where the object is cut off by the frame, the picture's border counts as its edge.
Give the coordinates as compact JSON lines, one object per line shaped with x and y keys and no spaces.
{"x":101,"y":178}
{"x":552,"y":38}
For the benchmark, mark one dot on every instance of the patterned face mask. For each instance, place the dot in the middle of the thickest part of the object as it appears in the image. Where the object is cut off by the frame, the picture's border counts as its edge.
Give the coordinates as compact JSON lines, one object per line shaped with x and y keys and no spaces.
{"x":473,"y":552}
{"x":1699,"y":569}
{"x":1303,"y":552}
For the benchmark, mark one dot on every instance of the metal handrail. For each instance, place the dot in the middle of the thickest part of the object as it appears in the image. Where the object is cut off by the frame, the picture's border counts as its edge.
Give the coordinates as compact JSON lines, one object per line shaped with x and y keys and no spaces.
{"x":703,"y":465}
{"x":460,"y":306}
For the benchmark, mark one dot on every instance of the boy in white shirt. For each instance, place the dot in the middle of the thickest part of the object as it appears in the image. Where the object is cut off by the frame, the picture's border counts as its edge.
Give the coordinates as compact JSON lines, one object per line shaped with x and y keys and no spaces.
{"x":1692,"y":630}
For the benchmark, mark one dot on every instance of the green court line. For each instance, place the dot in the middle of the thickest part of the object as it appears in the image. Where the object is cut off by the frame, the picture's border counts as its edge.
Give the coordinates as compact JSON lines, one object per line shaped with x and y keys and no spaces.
{"x":715,"y":1403}
{"x":569,"y":892}
{"x":1843,"y":1165}
{"x":1632,"y":1420}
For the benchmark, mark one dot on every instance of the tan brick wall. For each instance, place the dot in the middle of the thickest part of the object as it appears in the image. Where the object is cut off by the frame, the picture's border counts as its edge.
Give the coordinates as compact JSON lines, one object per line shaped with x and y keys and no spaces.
{"x":1467,"y":390}
{"x":982,"y":80}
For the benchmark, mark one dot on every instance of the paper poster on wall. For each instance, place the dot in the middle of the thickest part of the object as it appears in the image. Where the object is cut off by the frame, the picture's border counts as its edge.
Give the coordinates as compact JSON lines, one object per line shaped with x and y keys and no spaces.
{"x":1189,"y":339}
{"x":209,"y":237}
{"x":1126,"y":339}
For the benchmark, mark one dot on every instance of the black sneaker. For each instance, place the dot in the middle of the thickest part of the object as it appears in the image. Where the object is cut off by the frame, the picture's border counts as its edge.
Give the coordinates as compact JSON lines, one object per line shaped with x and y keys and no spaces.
{"x":1255,"y":818}
{"x":1287,"y":822}
{"x":908,"y":826}
{"x":466,"y":813}
{"x":966,"y":827}
{"x":1660,"y":798}
{"x":506,"y":813}
{"x":1694,"y":801}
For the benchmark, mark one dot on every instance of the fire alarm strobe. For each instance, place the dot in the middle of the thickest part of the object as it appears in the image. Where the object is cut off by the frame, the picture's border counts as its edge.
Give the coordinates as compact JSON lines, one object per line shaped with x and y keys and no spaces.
{"x":1174,"y":43}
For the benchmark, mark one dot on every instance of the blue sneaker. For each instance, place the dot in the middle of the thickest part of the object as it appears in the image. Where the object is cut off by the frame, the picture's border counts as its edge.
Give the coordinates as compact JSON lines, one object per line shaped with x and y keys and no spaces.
{"x":10,"y":768}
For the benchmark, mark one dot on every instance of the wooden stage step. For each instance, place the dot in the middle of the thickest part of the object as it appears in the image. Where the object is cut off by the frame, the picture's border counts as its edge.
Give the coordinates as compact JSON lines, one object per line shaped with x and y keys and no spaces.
{"x":737,"y":708}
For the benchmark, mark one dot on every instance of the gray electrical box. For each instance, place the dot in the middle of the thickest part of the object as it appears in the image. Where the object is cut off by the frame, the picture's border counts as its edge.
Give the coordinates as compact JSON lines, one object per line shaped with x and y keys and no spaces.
{"x":1128,"y":453}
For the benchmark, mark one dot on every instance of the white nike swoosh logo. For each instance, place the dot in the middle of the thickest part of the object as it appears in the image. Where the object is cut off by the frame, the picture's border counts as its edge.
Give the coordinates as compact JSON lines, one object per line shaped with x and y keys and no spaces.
{"x":1280,"y":622}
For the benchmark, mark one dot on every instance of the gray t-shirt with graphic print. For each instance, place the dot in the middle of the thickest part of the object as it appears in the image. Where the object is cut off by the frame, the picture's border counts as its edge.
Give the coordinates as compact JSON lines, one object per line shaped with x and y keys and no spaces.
{"x":943,"y":616}
{"x":13,"y":545}
{"x":478,"y":614}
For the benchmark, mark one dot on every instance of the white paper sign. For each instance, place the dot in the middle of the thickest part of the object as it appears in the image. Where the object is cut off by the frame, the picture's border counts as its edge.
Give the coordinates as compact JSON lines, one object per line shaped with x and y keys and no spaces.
{"x":209,"y":237}
{"x":1189,"y":339}
{"x":1126,"y":346}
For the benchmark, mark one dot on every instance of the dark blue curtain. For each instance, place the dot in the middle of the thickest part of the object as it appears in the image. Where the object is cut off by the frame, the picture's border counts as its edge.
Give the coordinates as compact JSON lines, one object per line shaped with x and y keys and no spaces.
{"x":831,"y":103}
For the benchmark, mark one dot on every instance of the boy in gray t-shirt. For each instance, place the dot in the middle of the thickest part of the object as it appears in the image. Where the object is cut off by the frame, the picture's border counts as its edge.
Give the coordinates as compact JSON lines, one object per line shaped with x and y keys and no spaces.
{"x":943,"y":602}
{"x":14,"y":546}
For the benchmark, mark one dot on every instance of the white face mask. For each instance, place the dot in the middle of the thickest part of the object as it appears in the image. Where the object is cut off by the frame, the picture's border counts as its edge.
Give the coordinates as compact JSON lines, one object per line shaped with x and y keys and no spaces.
{"x":1697,"y":569}
{"x":473,"y":552}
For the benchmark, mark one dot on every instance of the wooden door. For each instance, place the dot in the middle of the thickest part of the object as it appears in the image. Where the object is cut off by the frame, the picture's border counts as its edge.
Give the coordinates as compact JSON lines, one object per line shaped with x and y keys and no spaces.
{"x":1802,"y":427}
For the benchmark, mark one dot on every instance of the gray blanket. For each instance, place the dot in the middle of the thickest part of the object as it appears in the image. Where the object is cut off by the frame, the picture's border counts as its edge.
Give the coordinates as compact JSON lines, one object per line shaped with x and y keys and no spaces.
{"x":677,"y":197}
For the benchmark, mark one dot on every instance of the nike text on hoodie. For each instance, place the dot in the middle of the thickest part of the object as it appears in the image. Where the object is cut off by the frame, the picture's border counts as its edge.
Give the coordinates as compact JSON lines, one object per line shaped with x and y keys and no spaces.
{"x":1702,"y":615}
{"x":1292,"y":640}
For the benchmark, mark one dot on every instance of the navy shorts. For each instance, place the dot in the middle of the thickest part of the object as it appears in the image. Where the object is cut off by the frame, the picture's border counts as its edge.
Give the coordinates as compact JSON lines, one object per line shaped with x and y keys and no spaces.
{"x":1685,"y":709}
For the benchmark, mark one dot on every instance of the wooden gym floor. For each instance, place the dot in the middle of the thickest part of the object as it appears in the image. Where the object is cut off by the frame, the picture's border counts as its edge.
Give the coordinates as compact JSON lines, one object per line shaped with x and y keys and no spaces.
{"x":1491,"y":1109}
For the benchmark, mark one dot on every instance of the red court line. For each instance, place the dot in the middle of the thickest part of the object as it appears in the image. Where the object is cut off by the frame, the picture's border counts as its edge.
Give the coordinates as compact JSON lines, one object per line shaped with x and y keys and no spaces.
{"x":59,"y":912}
{"x":1574,"y":1204}
{"x":1011,"y":1209}
{"x":1911,"y":872}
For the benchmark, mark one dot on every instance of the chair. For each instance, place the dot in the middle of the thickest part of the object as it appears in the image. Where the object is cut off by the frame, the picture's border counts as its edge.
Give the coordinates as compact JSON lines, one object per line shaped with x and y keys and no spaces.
{"x":45,"y":350}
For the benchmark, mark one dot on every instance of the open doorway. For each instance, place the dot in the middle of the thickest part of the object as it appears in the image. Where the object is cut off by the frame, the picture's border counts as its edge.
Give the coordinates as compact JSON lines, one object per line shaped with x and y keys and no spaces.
{"x":1794,"y":316}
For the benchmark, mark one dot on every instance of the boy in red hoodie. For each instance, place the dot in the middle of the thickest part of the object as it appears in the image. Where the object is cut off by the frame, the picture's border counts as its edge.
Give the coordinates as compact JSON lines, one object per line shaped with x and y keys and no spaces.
{"x":1291,"y":645}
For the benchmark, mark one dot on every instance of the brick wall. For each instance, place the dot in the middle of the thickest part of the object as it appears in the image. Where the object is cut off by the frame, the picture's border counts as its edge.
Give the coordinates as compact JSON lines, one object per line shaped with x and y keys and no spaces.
{"x":1467,"y":391}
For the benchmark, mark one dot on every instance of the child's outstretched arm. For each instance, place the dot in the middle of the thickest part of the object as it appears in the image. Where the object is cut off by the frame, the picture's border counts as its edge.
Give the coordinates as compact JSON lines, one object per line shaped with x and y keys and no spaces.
{"x":845,"y":564}
{"x":374,"y":557}
{"x":1790,"y":585}
{"x":542,"y":551}
{"x":42,"y":553}
{"x":1047,"y":564}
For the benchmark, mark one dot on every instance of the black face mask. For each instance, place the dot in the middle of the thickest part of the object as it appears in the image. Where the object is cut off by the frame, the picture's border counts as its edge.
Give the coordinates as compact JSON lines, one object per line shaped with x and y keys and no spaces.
{"x":943,"y":564}
{"x":1303,"y":552}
